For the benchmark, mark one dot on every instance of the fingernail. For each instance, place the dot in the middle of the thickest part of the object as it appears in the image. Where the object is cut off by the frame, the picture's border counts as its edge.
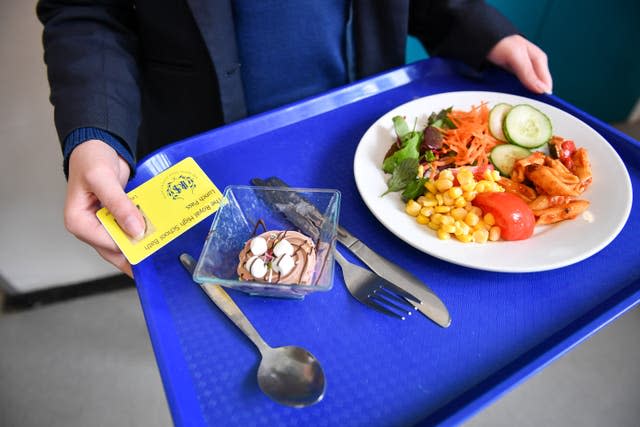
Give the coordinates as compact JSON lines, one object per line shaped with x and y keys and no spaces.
{"x":133,"y":227}
{"x":544,"y":88}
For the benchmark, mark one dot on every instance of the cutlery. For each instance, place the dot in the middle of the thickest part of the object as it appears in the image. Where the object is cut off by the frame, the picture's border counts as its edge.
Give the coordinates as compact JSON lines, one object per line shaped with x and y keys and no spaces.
{"x":374,"y":291}
{"x":430,"y":305}
{"x":289,"y":375}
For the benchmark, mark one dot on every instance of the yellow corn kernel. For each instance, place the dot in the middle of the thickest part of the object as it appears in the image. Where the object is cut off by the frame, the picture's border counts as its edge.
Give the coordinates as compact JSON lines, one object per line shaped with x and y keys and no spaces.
{"x":460,"y":202}
{"x":439,"y":199}
{"x":433,"y":226}
{"x":443,"y":184}
{"x":480,"y":236}
{"x":458,"y":213}
{"x":481,"y":225}
{"x":480,"y":187}
{"x":464,"y":238}
{"x":455,"y":192}
{"x":443,"y":235}
{"x":471,"y":219}
{"x":447,"y":220}
{"x":431,"y":187}
{"x":448,"y":228}
{"x":496,"y":175}
{"x":465,"y":181}
{"x":421,"y":199}
{"x":494,"y":233}
{"x":489,"y":219}
{"x":421,"y":219}
{"x":412,"y":208}
{"x":426,"y":211}
{"x":495,"y":187}
{"x":420,"y":171}
{"x":447,"y":199}
{"x":462,"y":228}
{"x":465,"y":171}
{"x":468,"y":186}
{"x":469,"y":195}
{"x":465,"y":176}
{"x":488,"y":175}
{"x":436,"y":218}
{"x":476,"y":210}
{"x":446,"y":174}
{"x":429,"y":203}
{"x":442,"y":209}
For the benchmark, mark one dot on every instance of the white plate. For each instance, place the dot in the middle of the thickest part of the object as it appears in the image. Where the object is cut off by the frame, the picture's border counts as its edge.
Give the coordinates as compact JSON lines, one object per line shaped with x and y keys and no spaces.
{"x":551,"y":246}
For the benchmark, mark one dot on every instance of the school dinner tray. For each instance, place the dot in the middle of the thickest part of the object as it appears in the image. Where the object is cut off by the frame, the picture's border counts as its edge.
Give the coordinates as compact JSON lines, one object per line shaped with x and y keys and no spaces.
{"x":380,"y":371}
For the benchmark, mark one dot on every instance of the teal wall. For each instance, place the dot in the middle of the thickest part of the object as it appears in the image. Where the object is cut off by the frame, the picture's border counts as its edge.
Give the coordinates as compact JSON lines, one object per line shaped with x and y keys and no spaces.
{"x":593,"y":48}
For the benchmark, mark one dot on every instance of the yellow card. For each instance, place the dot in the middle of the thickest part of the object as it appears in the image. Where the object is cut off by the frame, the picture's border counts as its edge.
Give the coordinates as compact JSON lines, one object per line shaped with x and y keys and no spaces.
{"x":171,"y":202}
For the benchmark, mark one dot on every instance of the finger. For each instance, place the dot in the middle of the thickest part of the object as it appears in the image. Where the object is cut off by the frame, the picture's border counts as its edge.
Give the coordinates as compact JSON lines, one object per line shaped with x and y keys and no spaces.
{"x":117,"y":259}
{"x":520,"y":64}
{"x":541,"y":66}
{"x":81,"y":221}
{"x":109,"y":191}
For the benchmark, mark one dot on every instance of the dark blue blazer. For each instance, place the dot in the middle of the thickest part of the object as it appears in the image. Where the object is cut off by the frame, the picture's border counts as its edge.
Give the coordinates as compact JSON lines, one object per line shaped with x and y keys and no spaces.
{"x":155,"y":71}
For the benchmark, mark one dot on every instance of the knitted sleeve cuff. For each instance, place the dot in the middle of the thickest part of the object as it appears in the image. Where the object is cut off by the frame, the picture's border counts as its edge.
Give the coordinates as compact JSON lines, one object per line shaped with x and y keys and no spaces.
{"x":80,"y":135}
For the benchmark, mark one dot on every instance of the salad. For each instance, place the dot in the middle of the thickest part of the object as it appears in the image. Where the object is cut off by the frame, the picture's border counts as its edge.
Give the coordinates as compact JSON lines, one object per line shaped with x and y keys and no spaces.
{"x":488,"y":173}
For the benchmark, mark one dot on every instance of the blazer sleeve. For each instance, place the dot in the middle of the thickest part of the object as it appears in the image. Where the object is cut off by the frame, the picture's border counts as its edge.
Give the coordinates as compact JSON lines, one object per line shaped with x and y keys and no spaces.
{"x":460,"y":29}
{"x":91,"y":50}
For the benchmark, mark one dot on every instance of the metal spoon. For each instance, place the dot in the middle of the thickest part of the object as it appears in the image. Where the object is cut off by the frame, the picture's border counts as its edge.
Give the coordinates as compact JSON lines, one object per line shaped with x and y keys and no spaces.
{"x":289,"y":375}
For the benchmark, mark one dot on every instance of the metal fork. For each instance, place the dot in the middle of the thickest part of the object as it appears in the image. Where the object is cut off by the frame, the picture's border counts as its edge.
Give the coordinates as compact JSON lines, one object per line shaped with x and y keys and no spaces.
{"x":374,"y":291}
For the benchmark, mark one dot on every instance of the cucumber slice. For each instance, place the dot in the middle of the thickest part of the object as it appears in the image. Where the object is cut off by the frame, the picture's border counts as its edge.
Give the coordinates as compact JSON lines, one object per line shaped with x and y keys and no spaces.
{"x":504,"y":156}
{"x":496,"y":118}
{"x":527,"y":126}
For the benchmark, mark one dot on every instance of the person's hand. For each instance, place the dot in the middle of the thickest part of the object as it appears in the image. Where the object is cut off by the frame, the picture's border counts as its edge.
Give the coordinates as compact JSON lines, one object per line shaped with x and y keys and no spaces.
{"x":524,"y":59}
{"x":97,"y":176}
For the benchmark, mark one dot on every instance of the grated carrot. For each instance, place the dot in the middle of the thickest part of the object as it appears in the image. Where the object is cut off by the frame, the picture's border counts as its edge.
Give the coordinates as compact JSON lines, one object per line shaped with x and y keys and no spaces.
{"x":471,"y":142}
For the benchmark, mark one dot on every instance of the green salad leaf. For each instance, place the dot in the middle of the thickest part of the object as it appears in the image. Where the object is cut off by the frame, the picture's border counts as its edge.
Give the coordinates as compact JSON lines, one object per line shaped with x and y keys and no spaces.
{"x":441,"y":119}
{"x":402,"y":163}
{"x":410,"y":150}
{"x":403,"y":174}
{"x":414,"y":189}
{"x":400,"y":126}
{"x":429,"y":156}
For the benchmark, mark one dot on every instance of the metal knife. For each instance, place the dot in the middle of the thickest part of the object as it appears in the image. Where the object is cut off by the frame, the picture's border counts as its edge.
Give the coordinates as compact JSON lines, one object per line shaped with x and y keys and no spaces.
{"x":431,"y":306}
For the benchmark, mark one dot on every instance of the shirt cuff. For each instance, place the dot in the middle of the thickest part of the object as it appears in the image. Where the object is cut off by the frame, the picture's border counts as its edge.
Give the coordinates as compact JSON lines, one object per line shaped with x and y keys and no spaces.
{"x":80,"y":135}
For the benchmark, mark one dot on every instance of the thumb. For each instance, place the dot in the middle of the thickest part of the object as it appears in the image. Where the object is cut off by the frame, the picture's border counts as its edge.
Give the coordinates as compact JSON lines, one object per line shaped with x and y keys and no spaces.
{"x":110,"y":192}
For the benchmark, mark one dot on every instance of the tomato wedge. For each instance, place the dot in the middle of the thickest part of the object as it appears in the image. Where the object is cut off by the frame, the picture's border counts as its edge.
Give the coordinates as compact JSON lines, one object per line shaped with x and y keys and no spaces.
{"x":513,"y":216}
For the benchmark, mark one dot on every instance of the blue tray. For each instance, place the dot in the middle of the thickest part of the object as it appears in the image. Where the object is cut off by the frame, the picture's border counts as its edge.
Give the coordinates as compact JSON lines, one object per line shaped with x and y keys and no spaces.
{"x":380,"y":371}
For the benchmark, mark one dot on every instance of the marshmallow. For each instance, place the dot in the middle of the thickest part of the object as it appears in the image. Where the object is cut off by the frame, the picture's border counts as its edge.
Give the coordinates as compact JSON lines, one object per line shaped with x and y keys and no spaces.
{"x":283,"y":247}
{"x":258,"y":246}
{"x":283,"y":264}
{"x":256,"y":267}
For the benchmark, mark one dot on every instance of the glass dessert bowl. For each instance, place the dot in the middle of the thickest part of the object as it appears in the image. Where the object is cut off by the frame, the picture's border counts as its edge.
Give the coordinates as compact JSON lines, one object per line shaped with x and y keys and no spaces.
{"x":272,"y":241}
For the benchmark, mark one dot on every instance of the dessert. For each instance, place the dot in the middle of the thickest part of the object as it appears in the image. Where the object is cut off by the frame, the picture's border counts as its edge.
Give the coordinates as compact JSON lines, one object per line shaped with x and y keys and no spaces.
{"x":286,"y":257}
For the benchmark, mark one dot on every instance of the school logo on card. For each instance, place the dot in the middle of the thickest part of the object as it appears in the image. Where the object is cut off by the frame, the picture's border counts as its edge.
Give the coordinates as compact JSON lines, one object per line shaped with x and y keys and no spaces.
{"x":179,"y":185}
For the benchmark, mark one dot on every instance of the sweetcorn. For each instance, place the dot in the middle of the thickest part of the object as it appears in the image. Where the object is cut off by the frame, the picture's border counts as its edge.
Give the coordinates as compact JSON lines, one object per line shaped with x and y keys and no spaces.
{"x":446,"y":206}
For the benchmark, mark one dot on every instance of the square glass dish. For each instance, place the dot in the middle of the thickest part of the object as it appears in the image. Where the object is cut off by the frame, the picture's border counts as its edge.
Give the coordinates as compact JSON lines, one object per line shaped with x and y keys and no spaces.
{"x":276,"y":214}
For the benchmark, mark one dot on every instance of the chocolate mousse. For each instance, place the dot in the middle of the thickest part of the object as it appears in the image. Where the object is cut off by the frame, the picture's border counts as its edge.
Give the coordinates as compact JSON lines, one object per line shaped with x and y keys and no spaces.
{"x":286,"y":257}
